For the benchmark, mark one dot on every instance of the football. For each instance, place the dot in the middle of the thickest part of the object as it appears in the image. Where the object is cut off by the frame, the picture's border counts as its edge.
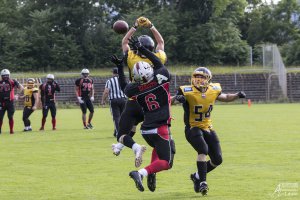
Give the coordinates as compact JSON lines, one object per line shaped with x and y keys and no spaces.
{"x":120,"y":27}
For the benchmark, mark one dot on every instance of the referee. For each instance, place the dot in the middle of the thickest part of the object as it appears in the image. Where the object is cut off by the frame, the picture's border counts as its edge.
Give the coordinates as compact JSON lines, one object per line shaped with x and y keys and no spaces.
{"x":117,"y":98}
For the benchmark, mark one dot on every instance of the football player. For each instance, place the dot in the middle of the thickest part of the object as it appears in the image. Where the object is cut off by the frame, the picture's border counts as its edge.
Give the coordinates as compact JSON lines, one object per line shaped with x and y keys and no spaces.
{"x":30,"y":102}
{"x":133,"y":114}
{"x":198,"y":101}
{"x":85,"y":94}
{"x":7,"y":98}
{"x":150,"y":90}
{"x":48,"y":91}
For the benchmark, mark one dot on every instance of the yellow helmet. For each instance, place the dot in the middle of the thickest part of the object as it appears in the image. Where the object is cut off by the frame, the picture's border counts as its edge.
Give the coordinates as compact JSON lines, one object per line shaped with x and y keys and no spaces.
{"x":201,"y":77}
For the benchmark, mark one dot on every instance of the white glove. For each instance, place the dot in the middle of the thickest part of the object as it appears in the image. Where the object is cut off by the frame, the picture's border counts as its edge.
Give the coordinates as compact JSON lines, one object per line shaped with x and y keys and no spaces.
{"x":92,"y":99}
{"x":16,"y":97}
{"x":80,"y":100}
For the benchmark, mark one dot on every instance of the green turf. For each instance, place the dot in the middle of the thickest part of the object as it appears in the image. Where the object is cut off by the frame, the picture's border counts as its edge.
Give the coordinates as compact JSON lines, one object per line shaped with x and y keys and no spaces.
{"x":260,"y":149}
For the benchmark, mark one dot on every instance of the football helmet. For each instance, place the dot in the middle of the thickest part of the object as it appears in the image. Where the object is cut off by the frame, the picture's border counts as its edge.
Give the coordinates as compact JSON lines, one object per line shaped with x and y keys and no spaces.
{"x":5,"y":74}
{"x":85,"y":72}
{"x":50,"y":78}
{"x":142,"y":72}
{"x":30,"y":82}
{"x":147,"y":42}
{"x":201,"y":77}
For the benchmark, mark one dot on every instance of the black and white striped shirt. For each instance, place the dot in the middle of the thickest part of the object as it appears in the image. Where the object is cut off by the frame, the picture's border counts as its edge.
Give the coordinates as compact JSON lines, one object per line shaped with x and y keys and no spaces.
{"x":115,"y":91}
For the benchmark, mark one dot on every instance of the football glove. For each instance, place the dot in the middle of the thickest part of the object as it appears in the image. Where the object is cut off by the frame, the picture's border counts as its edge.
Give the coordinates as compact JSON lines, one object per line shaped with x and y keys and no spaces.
{"x":180,"y":98}
{"x":134,"y":43}
{"x":144,"y":22}
{"x":117,"y":61}
{"x":241,"y":94}
{"x":92,"y":99}
{"x":80,"y":100}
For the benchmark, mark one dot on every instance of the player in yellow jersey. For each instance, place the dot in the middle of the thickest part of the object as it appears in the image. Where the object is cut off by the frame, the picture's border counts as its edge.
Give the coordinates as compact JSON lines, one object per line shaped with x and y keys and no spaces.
{"x":30,"y":102}
{"x":198,"y":101}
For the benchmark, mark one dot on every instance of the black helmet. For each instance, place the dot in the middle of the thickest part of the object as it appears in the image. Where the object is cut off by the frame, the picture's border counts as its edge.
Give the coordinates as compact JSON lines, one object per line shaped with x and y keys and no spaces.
{"x":147,"y":42}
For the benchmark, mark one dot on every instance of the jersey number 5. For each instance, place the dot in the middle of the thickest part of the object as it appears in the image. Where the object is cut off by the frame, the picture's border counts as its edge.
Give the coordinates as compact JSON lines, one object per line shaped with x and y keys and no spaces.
{"x":206,"y":115}
{"x":151,"y":103}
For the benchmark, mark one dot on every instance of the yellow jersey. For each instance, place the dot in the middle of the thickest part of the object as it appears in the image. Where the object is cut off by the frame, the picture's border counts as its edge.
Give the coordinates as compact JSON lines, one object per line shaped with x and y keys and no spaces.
{"x":133,"y":58}
{"x":198,"y":105}
{"x":29,"y":98}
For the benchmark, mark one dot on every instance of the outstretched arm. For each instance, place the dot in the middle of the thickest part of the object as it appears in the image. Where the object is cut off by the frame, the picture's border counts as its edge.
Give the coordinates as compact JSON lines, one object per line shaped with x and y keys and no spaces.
{"x":159,"y":39}
{"x":231,"y":97}
{"x":119,"y":63}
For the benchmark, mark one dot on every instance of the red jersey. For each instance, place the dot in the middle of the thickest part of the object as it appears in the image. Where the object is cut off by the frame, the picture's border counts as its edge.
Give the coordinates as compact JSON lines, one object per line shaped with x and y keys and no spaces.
{"x":7,"y":89}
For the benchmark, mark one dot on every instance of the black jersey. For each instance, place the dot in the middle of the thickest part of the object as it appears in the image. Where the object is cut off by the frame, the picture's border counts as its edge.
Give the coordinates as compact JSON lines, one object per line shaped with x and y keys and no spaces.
{"x":48,"y":91}
{"x":7,"y":89}
{"x":85,"y":87}
{"x":154,"y":98}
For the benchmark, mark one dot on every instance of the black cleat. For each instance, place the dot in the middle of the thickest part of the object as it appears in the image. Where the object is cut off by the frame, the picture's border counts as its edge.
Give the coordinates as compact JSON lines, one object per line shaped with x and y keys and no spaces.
{"x":203,"y":188}
{"x":196,"y":183}
{"x":90,"y":126}
{"x":135,"y":175}
{"x":85,"y":127}
{"x":151,"y":182}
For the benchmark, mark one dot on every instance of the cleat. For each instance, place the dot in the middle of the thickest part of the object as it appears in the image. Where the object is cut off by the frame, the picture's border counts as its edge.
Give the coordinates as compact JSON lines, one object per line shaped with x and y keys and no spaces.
{"x":42,"y":128}
{"x":29,"y":129}
{"x":85,"y":127}
{"x":90,"y":126}
{"x":54,"y":129}
{"x":196,"y":183}
{"x":139,"y":155}
{"x":116,"y":150}
{"x":11,"y":132}
{"x":151,"y":182}
{"x":203,"y":188}
{"x":137,"y":177}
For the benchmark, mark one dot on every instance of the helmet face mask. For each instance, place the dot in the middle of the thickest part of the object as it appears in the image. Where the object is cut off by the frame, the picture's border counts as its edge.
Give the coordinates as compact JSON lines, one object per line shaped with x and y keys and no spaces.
{"x":146,"y":42}
{"x":30,"y":83}
{"x":85,"y":72}
{"x":50,"y":78}
{"x":5,"y":74}
{"x":143,"y":72}
{"x":201,"y":78}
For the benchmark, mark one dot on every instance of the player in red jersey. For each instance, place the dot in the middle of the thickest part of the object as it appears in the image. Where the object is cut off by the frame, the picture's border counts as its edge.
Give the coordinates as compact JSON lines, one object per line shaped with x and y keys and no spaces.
{"x":150,"y":90}
{"x":7,"y":97}
{"x":48,"y":90}
{"x":85,"y":94}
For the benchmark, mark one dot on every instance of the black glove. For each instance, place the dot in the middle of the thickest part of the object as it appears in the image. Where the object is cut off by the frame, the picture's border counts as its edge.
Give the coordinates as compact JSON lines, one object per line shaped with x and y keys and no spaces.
{"x":117,"y":61}
{"x":180,"y":98}
{"x":134,"y":43}
{"x":241,"y":94}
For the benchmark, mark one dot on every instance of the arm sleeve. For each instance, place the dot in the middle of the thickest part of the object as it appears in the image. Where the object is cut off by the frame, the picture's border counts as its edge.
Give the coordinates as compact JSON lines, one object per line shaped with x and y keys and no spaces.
{"x":57,"y":88}
{"x":130,"y":90}
{"x":152,"y":57}
{"x":77,"y":82}
{"x":179,"y":92}
{"x":122,"y":79}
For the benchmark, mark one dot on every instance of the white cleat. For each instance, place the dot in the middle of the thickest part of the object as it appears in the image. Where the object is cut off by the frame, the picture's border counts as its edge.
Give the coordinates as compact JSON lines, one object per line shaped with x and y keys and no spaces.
{"x":139,"y":155}
{"x":117,"y":148}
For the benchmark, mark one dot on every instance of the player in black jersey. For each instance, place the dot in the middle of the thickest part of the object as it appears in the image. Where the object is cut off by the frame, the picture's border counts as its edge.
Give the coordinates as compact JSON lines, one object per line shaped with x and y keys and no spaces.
{"x":151,"y":91}
{"x":85,"y":94}
{"x":7,"y":98}
{"x":48,"y":90}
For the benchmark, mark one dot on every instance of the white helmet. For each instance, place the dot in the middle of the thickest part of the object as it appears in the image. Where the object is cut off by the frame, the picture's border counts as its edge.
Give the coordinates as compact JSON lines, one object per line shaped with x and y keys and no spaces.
{"x":142,"y":72}
{"x":50,"y":76}
{"x":85,"y":72}
{"x":5,"y":72}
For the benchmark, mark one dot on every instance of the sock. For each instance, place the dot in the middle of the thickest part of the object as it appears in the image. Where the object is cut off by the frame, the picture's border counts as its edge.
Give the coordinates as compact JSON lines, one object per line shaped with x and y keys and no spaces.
{"x":154,"y":156}
{"x":132,"y":133}
{"x":209,"y":166}
{"x":1,"y":122}
{"x":143,"y":172}
{"x":120,"y":145}
{"x":157,"y":166}
{"x":202,"y":170}
{"x":135,"y":147}
{"x":53,"y":122}
{"x":89,"y":121}
{"x":84,"y":123}
{"x":11,"y":125}
{"x":43,"y":122}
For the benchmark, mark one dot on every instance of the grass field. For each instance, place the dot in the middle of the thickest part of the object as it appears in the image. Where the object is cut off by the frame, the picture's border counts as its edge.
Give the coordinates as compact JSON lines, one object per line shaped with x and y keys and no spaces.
{"x":260,"y":148}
